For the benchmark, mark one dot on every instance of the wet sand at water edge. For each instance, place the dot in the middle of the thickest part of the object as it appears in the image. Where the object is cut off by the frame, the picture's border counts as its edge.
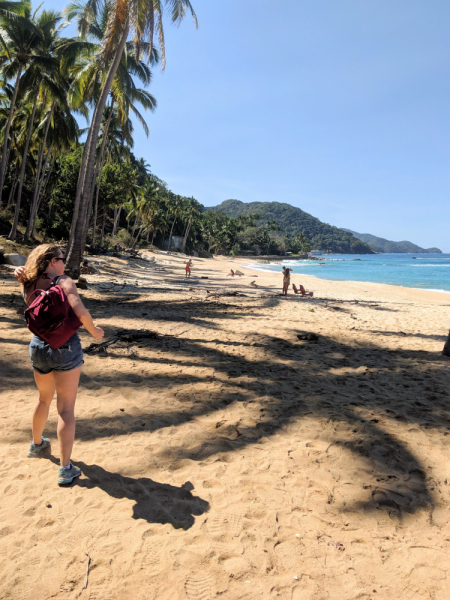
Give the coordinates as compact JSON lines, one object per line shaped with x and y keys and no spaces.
{"x":227,"y":458}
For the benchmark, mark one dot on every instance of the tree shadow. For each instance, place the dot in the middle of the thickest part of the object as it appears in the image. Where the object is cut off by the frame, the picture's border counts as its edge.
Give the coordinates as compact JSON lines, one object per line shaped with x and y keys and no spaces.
{"x":356,"y":387}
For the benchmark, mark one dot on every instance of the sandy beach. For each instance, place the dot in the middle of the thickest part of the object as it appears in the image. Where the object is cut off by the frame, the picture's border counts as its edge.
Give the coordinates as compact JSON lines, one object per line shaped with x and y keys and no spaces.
{"x":227,"y":458}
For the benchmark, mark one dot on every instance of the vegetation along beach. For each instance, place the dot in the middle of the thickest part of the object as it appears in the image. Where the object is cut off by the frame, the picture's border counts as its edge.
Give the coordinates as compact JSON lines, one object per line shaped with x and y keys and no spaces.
{"x":263,"y":406}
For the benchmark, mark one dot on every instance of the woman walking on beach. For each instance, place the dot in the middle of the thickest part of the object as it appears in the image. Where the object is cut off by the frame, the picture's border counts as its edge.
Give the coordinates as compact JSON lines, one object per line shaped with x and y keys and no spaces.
{"x":55,"y":368}
{"x":188,"y":268}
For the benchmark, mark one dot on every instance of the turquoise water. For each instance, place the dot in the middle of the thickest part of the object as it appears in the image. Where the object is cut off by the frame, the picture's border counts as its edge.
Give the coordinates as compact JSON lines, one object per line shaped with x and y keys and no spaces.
{"x":425,"y":271}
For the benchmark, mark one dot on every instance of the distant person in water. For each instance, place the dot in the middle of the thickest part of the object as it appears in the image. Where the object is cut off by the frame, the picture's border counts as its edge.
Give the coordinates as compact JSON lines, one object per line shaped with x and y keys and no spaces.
{"x":188,"y":268}
{"x":55,"y":369}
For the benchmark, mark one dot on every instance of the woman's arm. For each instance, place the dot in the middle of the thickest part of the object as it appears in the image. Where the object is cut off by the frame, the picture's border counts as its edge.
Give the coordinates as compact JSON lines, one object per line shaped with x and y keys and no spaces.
{"x":18,"y":275}
{"x":70,"y":289}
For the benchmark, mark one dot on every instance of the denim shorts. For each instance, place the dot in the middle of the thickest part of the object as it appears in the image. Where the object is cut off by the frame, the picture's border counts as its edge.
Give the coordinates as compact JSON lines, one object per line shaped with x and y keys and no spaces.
{"x":45,"y":359}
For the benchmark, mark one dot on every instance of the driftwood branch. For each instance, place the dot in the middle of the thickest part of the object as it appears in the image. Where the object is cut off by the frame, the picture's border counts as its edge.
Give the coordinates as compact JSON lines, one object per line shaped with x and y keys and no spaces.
{"x":126,"y":336}
{"x":86,"y":580}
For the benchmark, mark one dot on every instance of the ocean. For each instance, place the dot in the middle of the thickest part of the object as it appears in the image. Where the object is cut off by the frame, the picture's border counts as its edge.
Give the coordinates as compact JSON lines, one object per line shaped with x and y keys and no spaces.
{"x":422,"y":271}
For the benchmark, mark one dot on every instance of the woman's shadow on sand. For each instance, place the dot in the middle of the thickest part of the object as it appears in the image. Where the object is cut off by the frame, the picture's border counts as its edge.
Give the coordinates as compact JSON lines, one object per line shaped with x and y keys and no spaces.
{"x":154,"y":502}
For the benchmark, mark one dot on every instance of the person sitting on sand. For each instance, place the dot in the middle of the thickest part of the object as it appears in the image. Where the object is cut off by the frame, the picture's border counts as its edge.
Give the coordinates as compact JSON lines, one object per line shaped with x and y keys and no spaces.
{"x":188,"y":268}
{"x":231,"y":273}
{"x":55,"y":369}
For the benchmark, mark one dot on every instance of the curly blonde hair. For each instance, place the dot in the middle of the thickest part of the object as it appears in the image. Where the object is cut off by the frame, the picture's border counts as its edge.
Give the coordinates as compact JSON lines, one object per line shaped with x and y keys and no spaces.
{"x":38,"y":261}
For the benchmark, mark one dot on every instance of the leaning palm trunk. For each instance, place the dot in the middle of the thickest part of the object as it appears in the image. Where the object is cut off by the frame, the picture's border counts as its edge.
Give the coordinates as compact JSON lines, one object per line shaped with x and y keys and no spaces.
{"x":83,"y":199}
{"x":136,"y":223}
{"x":99,"y":180}
{"x":134,"y":242}
{"x":33,"y":208}
{"x":13,"y":234}
{"x":99,"y":170}
{"x":6,"y":134}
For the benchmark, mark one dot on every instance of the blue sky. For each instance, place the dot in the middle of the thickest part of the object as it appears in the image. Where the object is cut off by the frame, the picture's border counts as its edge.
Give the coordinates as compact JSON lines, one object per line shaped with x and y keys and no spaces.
{"x":341,"y":108}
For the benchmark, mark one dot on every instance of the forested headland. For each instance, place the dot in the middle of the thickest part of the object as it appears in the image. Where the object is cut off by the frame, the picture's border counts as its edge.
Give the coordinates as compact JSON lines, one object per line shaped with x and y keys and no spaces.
{"x":294,"y":221}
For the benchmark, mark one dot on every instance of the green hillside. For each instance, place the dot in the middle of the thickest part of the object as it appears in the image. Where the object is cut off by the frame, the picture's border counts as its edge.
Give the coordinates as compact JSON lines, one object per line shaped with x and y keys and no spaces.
{"x":294,"y":220}
{"x":386,"y":246}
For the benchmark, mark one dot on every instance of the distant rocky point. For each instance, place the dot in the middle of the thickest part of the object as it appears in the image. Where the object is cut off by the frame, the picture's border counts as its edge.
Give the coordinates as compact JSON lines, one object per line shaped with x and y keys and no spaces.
{"x":386,"y":246}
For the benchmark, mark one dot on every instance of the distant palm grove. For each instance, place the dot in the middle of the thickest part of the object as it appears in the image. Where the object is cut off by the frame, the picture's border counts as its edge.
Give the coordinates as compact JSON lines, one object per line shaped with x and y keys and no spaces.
{"x":62,"y":182}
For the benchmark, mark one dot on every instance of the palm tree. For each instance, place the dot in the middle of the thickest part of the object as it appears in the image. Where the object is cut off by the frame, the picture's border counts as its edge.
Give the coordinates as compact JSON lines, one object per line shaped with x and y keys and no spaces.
{"x":60,"y":134}
{"x":175,"y":206}
{"x":89,"y":75}
{"x":142,"y":17}
{"x":193,"y":213}
{"x":38,"y":81}
{"x":20,"y":40}
{"x":159,"y":222}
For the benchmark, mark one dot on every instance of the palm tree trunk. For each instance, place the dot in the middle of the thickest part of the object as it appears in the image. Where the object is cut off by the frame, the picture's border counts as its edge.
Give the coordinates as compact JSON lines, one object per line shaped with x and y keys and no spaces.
{"x":13,"y":189}
{"x":83,"y":199}
{"x":6,"y":134}
{"x":170,"y":235}
{"x":13,"y":234}
{"x":99,"y":179}
{"x":38,"y":182}
{"x":136,"y":222}
{"x":99,"y":169}
{"x":153,"y":238}
{"x":38,"y":194}
{"x":116,"y":221}
{"x":102,"y":235}
{"x":188,"y":228}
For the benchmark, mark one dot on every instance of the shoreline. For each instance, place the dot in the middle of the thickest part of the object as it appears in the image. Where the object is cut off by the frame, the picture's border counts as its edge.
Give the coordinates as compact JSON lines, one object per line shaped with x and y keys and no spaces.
{"x":353,"y":281}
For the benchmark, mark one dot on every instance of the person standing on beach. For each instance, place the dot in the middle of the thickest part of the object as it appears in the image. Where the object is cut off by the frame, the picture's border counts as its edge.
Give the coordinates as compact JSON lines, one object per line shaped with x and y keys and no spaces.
{"x":55,"y":369}
{"x":188,"y":268}
{"x":286,"y":280}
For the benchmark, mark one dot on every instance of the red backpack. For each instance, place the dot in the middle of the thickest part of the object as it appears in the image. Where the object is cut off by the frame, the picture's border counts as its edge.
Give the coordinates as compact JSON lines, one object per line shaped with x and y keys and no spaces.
{"x":50,"y":315}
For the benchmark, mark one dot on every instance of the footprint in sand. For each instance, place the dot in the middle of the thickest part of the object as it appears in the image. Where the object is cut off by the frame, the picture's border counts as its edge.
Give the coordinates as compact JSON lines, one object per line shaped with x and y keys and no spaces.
{"x":82,"y":536}
{"x":226,"y":549}
{"x":225,"y":523}
{"x":199,"y":587}
{"x":308,"y":590}
{"x":151,"y":563}
{"x":289,"y":557}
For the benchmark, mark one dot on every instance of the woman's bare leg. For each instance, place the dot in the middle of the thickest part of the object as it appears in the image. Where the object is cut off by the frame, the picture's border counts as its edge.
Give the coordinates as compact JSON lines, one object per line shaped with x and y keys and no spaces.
{"x":66,"y":393}
{"x":46,"y":387}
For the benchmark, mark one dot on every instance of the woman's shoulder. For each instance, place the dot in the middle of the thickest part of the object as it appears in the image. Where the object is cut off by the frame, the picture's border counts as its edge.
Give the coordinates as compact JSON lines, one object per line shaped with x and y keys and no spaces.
{"x":65,"y":281}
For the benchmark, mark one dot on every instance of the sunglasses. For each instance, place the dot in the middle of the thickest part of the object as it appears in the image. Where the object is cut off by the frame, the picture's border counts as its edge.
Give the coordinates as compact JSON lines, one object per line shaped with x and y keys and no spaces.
{"x":60,"y":258}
